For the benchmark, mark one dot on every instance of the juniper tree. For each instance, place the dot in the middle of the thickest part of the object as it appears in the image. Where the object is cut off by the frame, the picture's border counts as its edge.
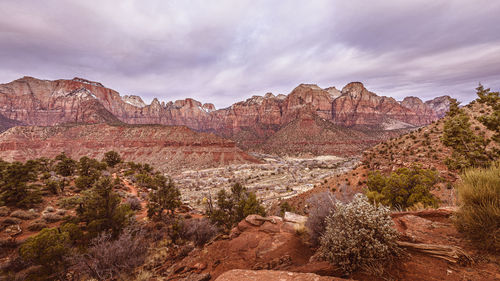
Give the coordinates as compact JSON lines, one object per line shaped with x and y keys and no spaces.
{"x":469,"y":149}
{"x":165,"y":196}
{"x":101,"y":209}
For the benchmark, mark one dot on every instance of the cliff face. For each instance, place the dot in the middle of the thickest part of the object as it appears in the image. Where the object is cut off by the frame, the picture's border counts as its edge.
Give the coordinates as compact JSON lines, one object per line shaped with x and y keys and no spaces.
{"x":166,"y":147}
{"x":358,"y":106}
{"x":250,"y":123}
{"x":440,"y":105}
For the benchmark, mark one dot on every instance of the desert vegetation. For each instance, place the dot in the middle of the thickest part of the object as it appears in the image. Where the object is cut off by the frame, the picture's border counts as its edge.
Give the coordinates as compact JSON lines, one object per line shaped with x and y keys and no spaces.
{"x":478,"y":216}
{"x":231,"y":208}
{"x":94,"y":230}
{"x":404,"y":188}
{"x":359,"y":236}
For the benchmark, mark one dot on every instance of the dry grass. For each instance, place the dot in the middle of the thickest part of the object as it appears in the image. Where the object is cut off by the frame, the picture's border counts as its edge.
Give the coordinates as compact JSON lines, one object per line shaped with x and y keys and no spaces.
{"x":479,"y":214}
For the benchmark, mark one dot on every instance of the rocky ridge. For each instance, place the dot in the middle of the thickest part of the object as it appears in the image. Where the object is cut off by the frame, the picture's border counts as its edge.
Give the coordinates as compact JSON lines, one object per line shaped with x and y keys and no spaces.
{"x":166,"y":147}
{"x":249,"y":123}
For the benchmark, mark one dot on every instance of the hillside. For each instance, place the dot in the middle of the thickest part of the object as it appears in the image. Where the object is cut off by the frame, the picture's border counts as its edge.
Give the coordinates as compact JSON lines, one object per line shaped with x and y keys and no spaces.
{"x":422,"y":147}
{"x":310,"y":134}
{"x":168,"y":148}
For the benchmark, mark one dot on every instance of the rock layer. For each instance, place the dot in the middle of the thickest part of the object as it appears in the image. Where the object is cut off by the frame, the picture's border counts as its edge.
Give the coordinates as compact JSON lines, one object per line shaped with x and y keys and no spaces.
{"x":166,"y":147}
{"x":250,"y":123}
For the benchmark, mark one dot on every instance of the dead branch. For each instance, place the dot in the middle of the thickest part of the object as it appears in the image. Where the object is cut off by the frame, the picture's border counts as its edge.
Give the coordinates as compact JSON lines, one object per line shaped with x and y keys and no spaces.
{"x":451,"y":254}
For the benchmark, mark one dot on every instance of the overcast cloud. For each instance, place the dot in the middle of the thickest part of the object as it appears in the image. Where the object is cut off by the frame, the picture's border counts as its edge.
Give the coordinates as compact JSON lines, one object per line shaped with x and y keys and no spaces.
{"x":226,"y":51}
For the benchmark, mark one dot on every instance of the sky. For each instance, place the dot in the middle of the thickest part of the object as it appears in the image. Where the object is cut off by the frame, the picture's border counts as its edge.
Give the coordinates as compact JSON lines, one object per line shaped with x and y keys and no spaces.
{"x":224,"y":51}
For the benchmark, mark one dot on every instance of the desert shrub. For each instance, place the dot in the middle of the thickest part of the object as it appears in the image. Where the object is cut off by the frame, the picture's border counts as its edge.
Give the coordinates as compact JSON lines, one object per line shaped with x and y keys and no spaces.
{"x":4,"y":211}
{"x":85,"y":182}
{"x":200,"y":231}
{"x":112,"y":158}
{"x":478,"y":216}
{"x":134,"y":203}
{"x":144,"y":180}
{"x":24,"y":215}
{"x":52,"y":217}
{"x":10,"y":221}
{"x":75,"y":233}
{"x":65,"y":165}
{"x":359,"y":235}
{"x":69,"y":202}
{"x":52,"y":186}
{"x":285,"y":207}
{"x":403,"y":188}
{"x":48,"y":249}
{"x":320,"y":206}
{"x":37,"y":225}
{"x":232,"y":208}
{"x":108,"y":259}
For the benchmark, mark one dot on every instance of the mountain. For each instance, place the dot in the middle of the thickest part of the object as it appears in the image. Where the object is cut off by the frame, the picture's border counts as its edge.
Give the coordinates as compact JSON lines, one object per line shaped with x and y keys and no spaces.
{"x":250,"y":123}
{"x":166,"y":147}
{"x":309,"y":133}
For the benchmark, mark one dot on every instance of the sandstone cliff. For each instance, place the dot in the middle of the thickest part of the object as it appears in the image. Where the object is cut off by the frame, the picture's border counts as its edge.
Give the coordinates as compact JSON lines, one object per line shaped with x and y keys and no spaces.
{"x":249,"y":123}
{"x":166,"y":147}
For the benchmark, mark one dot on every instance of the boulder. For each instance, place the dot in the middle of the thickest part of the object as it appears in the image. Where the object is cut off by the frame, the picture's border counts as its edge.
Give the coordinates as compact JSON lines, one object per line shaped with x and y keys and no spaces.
{"x":295,"y":218}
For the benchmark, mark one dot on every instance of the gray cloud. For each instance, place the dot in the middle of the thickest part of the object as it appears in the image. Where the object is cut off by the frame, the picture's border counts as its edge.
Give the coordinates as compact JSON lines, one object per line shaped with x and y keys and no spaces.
{"x":225,"y":51}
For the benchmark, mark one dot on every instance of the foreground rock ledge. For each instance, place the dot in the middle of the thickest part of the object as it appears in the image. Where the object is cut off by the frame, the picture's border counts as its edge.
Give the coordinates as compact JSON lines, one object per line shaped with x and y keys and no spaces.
{"x":252,"y":275}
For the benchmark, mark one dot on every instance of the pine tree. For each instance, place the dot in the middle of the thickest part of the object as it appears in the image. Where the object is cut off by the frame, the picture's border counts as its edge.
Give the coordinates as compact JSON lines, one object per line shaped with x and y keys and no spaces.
{"x":101,"y":209}
{"x":112,"y":158}
{"x":469,"y":149}
{"x":492,"y":120}
{"x":14,"y":188}
{"x":165,"y":197}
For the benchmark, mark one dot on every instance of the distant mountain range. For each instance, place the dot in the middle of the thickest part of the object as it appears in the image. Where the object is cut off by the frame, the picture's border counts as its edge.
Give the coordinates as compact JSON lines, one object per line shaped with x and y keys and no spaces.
{"x":307,"y":120}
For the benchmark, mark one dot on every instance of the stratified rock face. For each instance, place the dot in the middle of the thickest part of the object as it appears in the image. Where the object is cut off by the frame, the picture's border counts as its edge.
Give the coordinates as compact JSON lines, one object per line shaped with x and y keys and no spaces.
{"x":165,"y":147}
{"x":41,"y":102}
{"x":249,"y":123}
{"x":134,"y":100}
{"x":440,"y":105}
{"x":358,"y":106}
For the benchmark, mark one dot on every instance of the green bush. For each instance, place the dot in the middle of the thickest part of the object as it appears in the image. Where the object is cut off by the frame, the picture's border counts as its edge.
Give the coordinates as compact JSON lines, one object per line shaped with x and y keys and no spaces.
{"x":112,"y":158}
{"x":48,"y":249}
{"x":65,"y":165}
{"x":359,"y":235}
{"x":478,"y":216}
{"x":232,"y":208}
{"x":403,"y":188}
{"x":14,"y":187}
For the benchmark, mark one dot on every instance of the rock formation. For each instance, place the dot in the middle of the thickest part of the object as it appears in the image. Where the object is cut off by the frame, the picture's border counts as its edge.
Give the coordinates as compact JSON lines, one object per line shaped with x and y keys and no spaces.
{"x":166,"y":147}
{"x":249,"y":123}
{"x":440,"y":105}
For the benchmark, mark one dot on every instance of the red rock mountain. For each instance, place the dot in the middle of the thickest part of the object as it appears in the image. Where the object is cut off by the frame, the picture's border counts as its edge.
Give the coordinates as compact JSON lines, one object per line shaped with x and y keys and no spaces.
{"x":250,"y":123}
{"x":166,"y":147}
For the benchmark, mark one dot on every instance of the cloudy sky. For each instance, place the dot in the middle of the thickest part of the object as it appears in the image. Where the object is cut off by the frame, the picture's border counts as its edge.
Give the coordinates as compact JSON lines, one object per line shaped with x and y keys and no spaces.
{"x":225,"y":51}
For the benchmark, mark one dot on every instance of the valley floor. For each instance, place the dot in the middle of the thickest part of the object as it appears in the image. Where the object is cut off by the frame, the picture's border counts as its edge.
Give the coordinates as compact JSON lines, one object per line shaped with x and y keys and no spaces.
{"x":276,"y":179}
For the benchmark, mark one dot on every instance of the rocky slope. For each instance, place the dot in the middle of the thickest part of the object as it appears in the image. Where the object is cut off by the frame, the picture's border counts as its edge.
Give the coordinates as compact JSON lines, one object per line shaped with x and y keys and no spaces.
{"x":250,"y":123}
{"x":257,"y":245}
{"x":166,"y":147}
